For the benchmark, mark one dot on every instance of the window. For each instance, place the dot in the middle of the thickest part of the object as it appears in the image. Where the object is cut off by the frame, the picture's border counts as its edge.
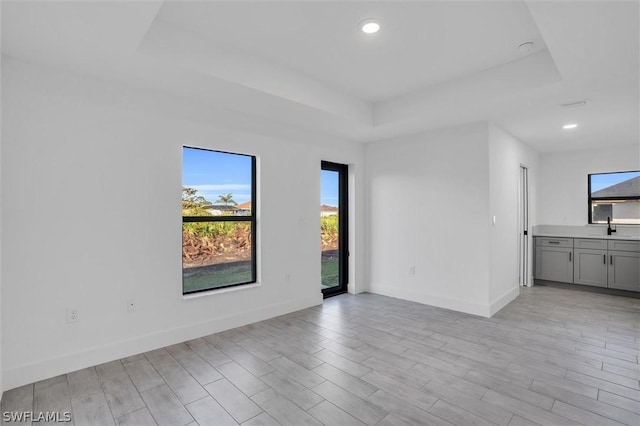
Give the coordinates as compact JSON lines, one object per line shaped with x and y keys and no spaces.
{"x":218,"y":219}
{"x":615,"y":196}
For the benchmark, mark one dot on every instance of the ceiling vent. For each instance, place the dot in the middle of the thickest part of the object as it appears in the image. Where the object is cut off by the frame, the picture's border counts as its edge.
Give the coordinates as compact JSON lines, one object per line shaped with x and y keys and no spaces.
{"x":525,"y":47}
{"x":576,"y":104}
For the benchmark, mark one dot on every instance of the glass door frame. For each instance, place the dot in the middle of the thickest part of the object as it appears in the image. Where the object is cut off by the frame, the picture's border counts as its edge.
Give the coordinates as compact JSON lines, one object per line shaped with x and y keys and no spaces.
{"x":343,"y":227}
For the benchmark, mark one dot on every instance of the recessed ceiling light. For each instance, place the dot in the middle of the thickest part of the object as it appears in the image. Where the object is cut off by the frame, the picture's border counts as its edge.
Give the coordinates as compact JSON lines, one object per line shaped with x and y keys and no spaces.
{"x":525,"y":47}
{"x":570,"y":126}
{"x":370,"y":26}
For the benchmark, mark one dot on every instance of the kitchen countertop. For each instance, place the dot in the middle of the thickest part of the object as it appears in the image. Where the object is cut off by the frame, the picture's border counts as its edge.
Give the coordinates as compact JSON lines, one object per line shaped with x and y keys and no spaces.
{"x":593,"y":236}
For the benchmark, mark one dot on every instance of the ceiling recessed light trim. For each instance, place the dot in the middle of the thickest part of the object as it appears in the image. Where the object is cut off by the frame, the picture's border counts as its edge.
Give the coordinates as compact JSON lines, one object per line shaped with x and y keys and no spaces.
{"x":570,"y":126}
{"x":369,"y":26}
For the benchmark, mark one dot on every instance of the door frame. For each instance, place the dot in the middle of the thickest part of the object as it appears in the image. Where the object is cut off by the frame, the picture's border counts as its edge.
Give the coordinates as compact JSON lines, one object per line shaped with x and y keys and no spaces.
{"x":343,"y":227}
{"x":524,"y":266}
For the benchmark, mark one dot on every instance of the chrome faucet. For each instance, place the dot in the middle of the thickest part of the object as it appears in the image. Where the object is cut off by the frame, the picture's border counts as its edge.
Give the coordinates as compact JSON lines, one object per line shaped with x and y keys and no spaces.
{"x":609,"y":230}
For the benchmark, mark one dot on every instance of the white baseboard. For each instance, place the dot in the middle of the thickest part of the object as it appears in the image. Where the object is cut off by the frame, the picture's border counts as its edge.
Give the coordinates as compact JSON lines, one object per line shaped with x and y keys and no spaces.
{"x":504,"y":300}
{"x":29,"y":373}
{"x":468,"y":307}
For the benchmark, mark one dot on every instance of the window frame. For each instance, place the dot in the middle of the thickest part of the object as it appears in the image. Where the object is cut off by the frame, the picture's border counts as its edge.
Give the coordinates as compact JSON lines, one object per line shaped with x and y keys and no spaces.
{"x":247,"y":218}
{"x":590,"y":199}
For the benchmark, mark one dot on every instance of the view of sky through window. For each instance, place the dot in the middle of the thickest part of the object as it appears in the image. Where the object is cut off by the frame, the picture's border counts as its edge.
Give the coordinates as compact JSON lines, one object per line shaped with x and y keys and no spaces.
{"x":231,"y":174}
{"x":329,"y":188}
{"x":601,"y":181}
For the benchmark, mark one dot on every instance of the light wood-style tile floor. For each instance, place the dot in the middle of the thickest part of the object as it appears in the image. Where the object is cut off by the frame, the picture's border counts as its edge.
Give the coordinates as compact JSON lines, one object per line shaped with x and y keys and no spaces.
{"x":552,"y":357}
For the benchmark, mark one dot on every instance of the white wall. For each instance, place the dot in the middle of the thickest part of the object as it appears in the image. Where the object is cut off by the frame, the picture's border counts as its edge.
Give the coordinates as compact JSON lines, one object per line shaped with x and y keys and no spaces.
{"x":91,"y":182}
{"x":562,"y":185}
{"x":428,"y":207}
{"x":506,"y":155}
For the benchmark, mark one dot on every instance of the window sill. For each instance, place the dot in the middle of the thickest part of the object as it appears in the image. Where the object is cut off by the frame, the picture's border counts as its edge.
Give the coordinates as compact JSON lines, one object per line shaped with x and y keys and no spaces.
{"x":219,"y":291}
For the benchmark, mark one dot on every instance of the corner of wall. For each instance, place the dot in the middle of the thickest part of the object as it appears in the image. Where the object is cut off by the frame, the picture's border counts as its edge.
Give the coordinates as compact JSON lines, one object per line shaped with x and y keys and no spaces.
{"x":504,"y":300}
{"x":436,"y":300}
{"x":442,"y":167}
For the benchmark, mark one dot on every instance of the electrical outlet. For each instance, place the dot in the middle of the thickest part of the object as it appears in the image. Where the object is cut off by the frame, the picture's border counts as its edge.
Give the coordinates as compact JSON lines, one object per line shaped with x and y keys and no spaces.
{"x":72,"y":315}
{"x":412,"y":270}
{"x":131,"y":305}
{"x":287,"y":277}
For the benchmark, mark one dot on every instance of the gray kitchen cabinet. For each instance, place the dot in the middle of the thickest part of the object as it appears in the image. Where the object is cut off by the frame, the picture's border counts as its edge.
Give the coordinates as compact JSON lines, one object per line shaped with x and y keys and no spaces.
{"x":554,"y":259}
{"x":590,"y":267}
{"x":624,"y":265}
{"x":590,"y":262}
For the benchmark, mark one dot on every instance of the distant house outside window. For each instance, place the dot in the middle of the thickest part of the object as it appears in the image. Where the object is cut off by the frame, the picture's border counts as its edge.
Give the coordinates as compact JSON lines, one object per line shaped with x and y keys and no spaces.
{"x":218,"y":219}
{"x":614,"y":196}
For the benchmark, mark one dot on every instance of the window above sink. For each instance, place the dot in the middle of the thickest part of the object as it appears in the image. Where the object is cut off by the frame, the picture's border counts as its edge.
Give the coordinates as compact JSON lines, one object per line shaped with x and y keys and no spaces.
{"x":614,"y":196}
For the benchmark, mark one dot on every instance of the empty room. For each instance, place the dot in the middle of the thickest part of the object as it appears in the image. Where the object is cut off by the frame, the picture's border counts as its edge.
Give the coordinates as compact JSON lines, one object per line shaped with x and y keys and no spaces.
{"x":320,"y":212}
